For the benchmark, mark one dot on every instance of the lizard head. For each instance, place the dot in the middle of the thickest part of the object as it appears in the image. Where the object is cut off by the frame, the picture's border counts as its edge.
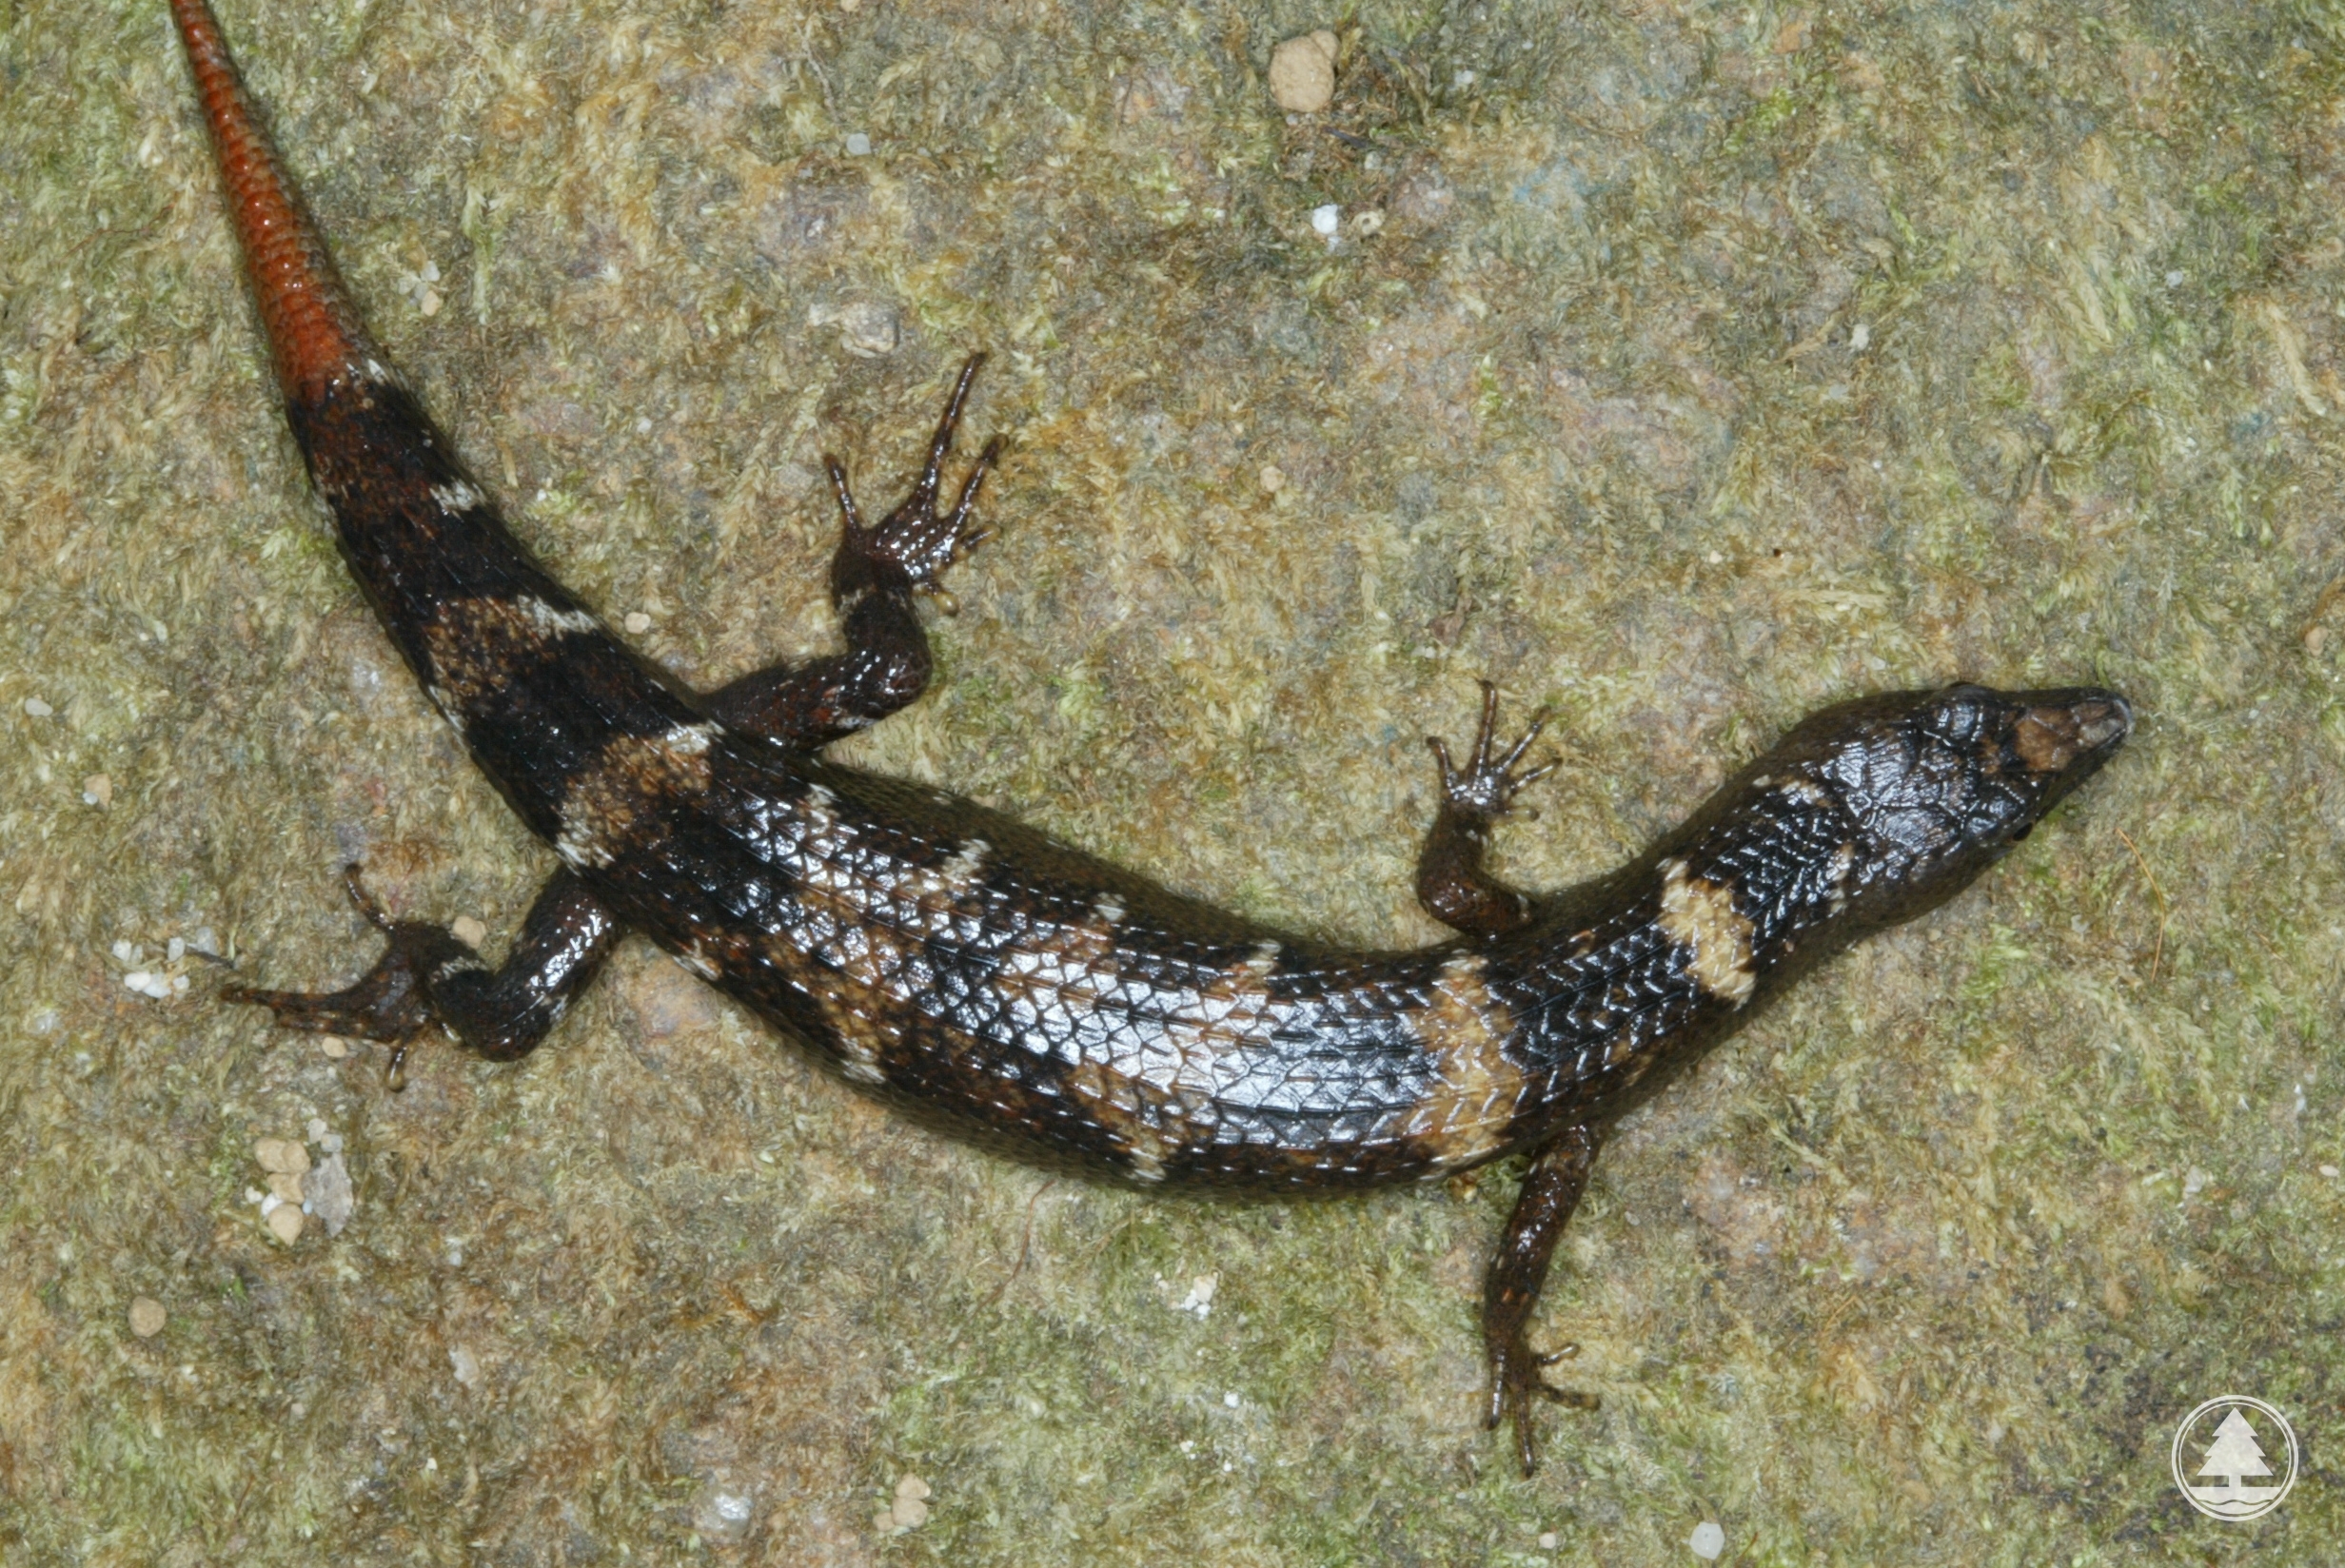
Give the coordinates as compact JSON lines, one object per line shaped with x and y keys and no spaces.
{"x":1937,"y":786}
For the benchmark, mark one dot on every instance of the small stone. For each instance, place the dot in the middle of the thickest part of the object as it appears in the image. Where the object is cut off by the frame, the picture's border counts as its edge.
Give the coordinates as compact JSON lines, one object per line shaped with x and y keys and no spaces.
{"x":910,"y":1510}
{"x":2330,"y":1172}
{"x":1326,"y":219}
{"x":281,"y":1155}
{"x":1860,"y":336}
{"x":1274,"y":478}
{"x":1303,"y":73}
{"x":469,"y":931}
{"x":38,"y":709}
{"x":466,"y":1365}
{"x":637,"y":622}
{"x":858,"y":144}
{"x":147,"y":1317}
{"x":1549,"y":1540}
{"x":325,"y":1192}
{"x":723,"y":1515}
{"x":866,"y":329}
{"x":284,"y":1223}
{"x":1707,"y":1540}
{"x":98,"y":790}
{"x":335,"y":1047}
{"x":286,"y":1185}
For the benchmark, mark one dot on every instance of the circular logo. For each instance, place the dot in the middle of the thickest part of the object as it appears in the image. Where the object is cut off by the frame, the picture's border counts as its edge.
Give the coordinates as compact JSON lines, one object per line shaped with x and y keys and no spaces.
{"x":2234,"y":1458}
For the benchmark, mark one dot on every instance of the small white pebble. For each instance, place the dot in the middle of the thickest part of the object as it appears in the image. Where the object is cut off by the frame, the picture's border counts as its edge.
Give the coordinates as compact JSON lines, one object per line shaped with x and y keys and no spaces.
{"x":1274,"y":478}
{"x":1707,"y":1540}
{"x":858,"y":144}
{"x":178,"y":985}
{"x":637,"y":622}
{"x":137,"y":980}
{"x":2174,"y":280}
{"x":147,"y":1317}
{"x":125,"y":953}
{"x":1549,"y":1540}
{"x":1326,"y":219}
{"x":1230,"y":1400}
{"x":910,"y":1510}
{"x":1861,"y":337}
{"x":314,"y":1128}
{"x":466,"y":1366}
{"x":1717,"y":560}
{"x":175,"y":950}
{"x":38,"y":709}
{"x":334,"y":1046}
{"x":2329,"y":1171}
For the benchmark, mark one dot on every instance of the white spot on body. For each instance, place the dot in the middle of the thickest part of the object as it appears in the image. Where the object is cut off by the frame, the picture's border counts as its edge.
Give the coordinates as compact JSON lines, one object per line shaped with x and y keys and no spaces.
{"x":1843,"y":861}
{"x":456,"y":498}
{"x":1264,"y":958}
{"x":1109,"y":908}
{"x":1700,"y":915}
{"x":445,"y":702}
{"x":1804,"y":791}
{"x":961,"y":870}
{"x":552,"y":619}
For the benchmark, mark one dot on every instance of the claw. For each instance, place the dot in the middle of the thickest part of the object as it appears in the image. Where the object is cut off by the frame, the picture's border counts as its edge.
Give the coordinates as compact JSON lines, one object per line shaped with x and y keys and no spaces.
{"x":387,"y":1003}
{"x":1487,"y":784}
{"x":1513,"y":1380}
{"x":915,"y":539}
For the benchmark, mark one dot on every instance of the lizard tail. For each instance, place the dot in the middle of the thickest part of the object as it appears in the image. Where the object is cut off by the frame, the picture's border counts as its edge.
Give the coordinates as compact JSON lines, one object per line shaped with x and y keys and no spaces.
{"x":314,"y":335}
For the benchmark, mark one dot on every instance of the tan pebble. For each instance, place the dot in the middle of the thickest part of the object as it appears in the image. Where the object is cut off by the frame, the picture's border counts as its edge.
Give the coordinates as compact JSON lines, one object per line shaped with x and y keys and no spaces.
{"x":286,"y":1185}
{"x":147,"y":1317}
{"x":1274,"y":478}
{"x":98,"y":790}
{"x":1303,"y":73}
{"x":2315,"y":638}
{"x":284,"y":1223}
{"x":281,"y":1155}
{"x":335,"y":1047}
{"x":469,"y":931}
{"x":911,"y":1509}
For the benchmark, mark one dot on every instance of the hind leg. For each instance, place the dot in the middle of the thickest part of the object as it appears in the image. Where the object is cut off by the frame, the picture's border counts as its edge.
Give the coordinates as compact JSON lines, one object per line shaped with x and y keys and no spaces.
{"x":425,"y":976}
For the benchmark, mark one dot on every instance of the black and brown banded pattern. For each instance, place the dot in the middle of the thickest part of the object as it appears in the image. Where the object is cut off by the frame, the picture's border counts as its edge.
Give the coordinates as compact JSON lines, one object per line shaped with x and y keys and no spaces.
{"x":1015,"y":990}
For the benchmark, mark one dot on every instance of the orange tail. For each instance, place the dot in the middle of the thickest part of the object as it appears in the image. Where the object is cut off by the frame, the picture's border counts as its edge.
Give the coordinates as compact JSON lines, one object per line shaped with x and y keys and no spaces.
{"x":314,"y":334}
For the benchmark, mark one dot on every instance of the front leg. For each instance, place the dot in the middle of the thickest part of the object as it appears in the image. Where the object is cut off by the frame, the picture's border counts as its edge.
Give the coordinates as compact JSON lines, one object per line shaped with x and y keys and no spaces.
{"x":427,"y":977}
{"x":874,"y":575}
{"x":1451,"y":883}
{"x":1551,"y":1190}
